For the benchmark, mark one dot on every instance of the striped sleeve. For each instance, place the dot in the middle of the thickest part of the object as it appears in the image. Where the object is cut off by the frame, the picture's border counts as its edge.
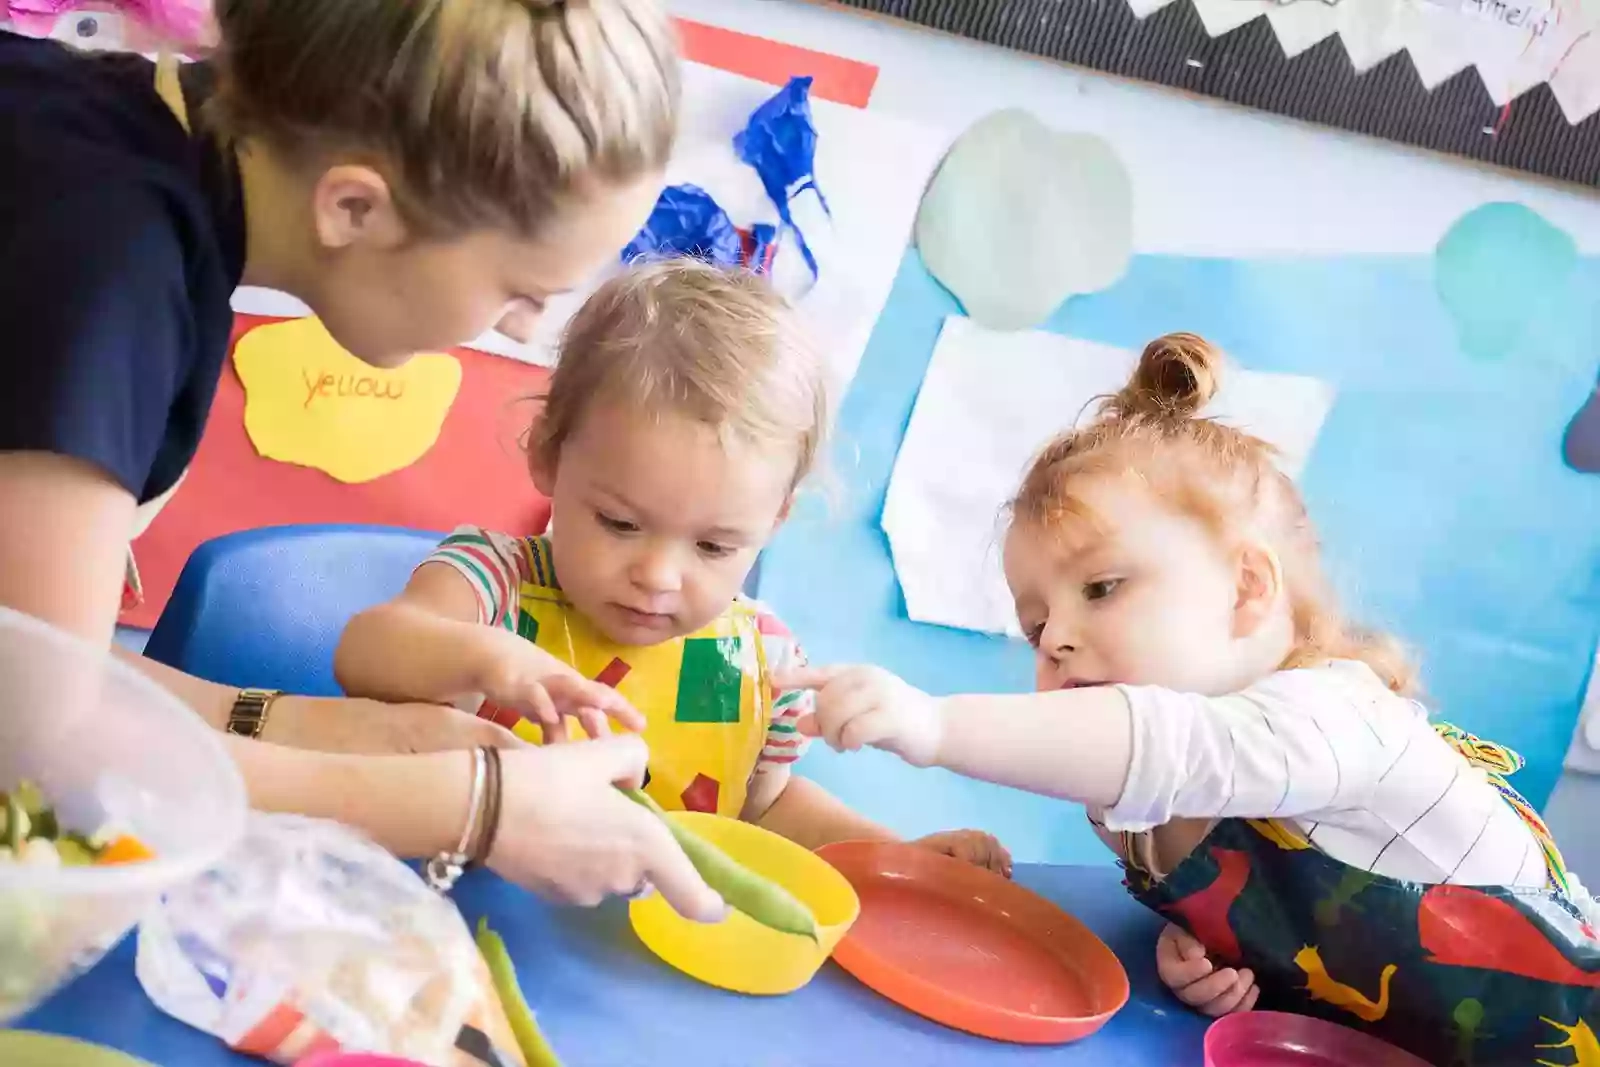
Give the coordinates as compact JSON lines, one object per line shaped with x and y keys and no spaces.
{"x":493,"y":564}
{"x":784,"y":742}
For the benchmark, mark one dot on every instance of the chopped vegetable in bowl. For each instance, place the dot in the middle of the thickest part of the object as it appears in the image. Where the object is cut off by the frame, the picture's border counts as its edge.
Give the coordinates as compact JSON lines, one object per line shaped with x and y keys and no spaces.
{"x":31,"y":834}
{"x":42,"y":941}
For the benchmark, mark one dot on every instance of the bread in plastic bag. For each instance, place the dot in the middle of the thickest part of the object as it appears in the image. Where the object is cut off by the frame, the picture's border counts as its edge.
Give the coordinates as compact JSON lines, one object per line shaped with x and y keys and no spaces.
{"x":311,"y":938}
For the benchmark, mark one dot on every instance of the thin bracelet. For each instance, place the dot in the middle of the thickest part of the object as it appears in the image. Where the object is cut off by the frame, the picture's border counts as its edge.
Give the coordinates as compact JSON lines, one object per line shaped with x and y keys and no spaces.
{"x":489,"y":825}
{"x":444,"y":870}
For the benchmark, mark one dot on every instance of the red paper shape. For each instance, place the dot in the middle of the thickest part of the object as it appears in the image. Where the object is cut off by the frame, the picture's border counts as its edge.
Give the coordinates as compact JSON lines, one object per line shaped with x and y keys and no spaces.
{"x":701,"y":795}
{"x":843,"y":81}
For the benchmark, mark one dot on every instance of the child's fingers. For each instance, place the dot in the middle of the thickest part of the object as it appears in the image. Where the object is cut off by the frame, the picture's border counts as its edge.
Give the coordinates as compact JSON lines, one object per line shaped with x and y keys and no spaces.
{"x":1233,"y":998}
{"x":1178,"y":973}
{"x":1211,"y":988}
{"x":805,"y":677}
{"x":1180,"y":958}
{"x":1250,"y":998}
{"x":851,"y":716}
{"x":574,"y":694}
{"x":595,"y":723}
{"x":535,"y":704}
{"x":1182,"y":943}
{"x":864,"y":730}
{"x":999,"y":856}
{"x":970,"y":846}
{"x":552,"y":722}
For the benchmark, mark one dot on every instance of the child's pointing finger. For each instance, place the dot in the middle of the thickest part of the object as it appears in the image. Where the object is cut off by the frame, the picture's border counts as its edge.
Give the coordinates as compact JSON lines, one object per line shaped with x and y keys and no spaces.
{"x":805,"y":678}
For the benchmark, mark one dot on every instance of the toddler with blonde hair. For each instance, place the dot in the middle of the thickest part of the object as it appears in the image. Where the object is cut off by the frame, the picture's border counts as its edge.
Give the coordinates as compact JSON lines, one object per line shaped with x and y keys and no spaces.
{"x":1258,"y":765}
{"x":684,"y":412}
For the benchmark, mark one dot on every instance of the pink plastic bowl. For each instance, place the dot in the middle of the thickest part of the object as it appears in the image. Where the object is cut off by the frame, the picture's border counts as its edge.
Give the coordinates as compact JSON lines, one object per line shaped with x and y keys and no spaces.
{"x":1275,"y":1039}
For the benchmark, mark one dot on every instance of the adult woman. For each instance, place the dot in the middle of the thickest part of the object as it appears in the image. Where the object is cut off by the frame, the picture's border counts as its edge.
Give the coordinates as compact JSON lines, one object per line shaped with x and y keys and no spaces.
{"x":415,"y":171}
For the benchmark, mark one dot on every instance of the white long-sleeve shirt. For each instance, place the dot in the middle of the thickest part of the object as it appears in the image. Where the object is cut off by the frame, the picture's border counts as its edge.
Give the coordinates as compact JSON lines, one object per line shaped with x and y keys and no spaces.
{"x":1356,"y":768}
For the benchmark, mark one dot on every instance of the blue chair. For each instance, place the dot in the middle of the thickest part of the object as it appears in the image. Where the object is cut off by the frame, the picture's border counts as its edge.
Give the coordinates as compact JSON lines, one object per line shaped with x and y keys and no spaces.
{"x":265,"y":607}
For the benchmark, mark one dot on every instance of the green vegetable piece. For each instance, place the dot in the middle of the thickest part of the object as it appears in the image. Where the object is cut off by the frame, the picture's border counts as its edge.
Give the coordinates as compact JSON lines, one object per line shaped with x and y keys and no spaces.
{"x":17,"y":823}
{"x":530,"y":1039}
{"x":74,"y":853}
{"x":764,"y":900}
{"x":31,"y":799}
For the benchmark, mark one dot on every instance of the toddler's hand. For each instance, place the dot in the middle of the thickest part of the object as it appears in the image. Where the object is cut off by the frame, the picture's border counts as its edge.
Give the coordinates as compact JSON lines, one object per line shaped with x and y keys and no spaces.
{"x":531,"y":682}
{"x":859,"y":706}
{"x":974,"y":846}
{"x":1184,"y":967}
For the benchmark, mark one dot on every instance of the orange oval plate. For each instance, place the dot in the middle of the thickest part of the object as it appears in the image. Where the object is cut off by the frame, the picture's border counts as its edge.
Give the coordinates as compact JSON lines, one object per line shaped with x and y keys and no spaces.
{"x":969,"y":949}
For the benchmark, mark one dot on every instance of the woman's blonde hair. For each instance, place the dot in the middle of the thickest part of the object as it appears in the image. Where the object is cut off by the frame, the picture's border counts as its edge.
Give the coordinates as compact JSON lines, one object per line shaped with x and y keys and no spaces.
{"x":1223,"y":477}
{"x":479,"y":113}
{"x":717,"y":346}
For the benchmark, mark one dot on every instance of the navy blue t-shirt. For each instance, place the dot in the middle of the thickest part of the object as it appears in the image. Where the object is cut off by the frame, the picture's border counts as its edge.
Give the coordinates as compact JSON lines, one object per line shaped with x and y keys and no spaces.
{"x":121,"y":242}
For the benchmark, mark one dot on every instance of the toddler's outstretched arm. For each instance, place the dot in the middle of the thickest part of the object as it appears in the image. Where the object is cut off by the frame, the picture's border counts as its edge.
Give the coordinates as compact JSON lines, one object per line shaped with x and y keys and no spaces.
{"x":1297,"y":742}
{"x":1074,"y":744}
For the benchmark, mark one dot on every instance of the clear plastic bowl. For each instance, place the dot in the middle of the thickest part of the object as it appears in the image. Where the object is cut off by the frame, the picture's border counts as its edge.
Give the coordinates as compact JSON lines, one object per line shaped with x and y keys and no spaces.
{"x":108,"y":748}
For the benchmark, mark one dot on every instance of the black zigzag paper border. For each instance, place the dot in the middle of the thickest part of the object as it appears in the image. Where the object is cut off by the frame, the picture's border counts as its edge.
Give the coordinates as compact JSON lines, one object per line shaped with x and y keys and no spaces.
{"x":1247,"y":66}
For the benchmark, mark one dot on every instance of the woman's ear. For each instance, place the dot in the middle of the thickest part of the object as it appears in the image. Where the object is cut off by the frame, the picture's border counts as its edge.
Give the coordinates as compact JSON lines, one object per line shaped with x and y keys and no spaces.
{"x":352,"y":205}
{"x":1260,"y":587}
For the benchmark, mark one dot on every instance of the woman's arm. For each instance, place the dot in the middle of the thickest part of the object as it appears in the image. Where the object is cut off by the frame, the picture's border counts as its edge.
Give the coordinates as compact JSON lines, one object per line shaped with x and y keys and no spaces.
{"x":63,"y":542}
{"x":411,"y":805}
{"x":334,"y":724}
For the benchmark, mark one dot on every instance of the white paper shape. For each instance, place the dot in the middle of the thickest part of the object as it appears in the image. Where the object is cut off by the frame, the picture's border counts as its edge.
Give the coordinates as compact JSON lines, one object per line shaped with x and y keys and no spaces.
{"x":989,"y":402}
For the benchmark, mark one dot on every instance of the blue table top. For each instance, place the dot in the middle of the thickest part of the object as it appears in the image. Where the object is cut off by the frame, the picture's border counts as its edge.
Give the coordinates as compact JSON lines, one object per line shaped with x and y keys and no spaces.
{"x":603,"y":999}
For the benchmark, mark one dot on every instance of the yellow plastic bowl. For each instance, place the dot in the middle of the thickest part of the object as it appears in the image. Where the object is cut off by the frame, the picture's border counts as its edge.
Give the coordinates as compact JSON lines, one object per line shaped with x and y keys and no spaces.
{"x":739,"y":953}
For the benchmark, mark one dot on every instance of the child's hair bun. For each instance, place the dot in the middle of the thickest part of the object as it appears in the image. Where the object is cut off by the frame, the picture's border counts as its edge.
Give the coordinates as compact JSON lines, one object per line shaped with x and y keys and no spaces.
{"x":1177,"y":376}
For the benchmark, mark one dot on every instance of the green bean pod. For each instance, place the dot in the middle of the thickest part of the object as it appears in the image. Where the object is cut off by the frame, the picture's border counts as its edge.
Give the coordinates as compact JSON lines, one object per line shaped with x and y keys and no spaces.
{"x":764,"y":900}
{"x":530,"y":1039}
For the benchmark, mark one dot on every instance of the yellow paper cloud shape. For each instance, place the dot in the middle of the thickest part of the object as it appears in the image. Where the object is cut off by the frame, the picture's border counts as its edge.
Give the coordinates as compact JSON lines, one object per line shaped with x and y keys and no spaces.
{"x":311,"y":403}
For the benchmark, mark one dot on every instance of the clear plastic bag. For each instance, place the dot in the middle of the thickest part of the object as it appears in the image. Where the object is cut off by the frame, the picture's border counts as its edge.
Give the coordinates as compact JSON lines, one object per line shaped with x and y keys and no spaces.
{"x":310,"y":938}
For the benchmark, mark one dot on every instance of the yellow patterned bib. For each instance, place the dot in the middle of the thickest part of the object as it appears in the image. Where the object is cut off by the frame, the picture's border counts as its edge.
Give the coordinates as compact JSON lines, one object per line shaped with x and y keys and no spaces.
{"x":707,"y":697}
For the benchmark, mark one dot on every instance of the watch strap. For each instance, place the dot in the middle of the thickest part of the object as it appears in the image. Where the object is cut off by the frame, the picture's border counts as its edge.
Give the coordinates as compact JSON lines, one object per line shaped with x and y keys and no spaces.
{"x":249,"y":714}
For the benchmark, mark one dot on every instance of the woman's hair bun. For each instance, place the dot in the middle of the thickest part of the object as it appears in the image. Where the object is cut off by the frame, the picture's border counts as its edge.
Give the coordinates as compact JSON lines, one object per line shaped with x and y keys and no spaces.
{"x":1177,"y":376}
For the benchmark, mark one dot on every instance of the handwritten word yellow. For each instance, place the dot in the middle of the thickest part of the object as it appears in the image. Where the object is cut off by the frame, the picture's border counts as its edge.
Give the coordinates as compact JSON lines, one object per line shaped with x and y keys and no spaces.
{"x":342,"y":385}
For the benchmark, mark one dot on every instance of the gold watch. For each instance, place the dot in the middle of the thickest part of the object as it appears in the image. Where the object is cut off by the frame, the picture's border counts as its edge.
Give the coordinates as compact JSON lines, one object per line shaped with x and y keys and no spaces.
{"x":249,"y":715}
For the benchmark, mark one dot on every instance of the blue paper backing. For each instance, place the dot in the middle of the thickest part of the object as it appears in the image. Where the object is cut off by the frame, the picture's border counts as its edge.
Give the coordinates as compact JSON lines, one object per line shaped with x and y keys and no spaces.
{"x":1437,"y":481}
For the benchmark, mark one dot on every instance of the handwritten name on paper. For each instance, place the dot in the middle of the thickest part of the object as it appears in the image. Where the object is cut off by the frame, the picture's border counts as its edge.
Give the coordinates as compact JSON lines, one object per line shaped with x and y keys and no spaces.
{"x":309,"y":402}
{"x":1535,"y":17}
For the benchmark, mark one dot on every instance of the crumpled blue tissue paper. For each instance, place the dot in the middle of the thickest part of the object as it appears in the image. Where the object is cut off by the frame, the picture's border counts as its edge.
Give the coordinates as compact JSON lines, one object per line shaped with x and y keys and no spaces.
{"x":686,"y":221}
{"x":780,"y":143}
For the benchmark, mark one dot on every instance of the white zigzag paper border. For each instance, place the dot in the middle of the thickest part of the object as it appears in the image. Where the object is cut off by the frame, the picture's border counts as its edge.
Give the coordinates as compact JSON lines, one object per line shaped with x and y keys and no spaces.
{"x":1514,"y":44}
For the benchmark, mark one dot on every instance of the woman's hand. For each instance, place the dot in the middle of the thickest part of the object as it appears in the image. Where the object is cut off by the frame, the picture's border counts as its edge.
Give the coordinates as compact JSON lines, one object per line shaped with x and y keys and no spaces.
{"x":376,"y":728}
{"x":522,"y":677}
{"x":568,"y":834}
{"x":1184,"y":967}
{"x":973,"y":846}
